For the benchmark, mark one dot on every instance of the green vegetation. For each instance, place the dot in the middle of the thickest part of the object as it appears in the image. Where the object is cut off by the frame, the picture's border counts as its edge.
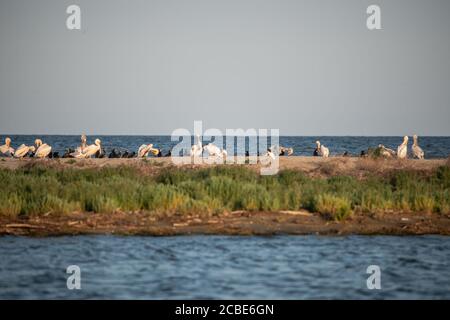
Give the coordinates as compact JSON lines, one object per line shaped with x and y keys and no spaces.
{"x":209,"y":191}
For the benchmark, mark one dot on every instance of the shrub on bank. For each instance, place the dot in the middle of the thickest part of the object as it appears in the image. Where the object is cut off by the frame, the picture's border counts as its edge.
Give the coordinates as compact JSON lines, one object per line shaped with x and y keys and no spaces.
{"x":210,"y":191}
{"x":333,"y":207}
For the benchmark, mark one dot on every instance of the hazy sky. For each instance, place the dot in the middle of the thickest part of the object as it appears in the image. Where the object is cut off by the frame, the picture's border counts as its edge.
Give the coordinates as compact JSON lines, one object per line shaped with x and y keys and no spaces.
{"x":151,"y":66}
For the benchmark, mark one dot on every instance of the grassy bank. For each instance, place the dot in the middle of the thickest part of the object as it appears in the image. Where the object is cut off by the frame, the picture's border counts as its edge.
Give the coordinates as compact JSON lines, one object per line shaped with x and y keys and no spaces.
{"x":210,"y":191}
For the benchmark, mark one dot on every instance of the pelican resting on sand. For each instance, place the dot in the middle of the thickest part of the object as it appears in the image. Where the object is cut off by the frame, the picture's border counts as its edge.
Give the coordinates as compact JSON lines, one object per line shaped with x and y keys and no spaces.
{"x":88,"y":151}
{"x":286,"y":151}
{"x":6,"y":149}
{"x":215,"y":151}
{"x":402,"y":150}
{"x":145,"y":149}
{"x":386,"y":152}
{"x":281,"y":151}
{"x":42,"y":149}
{"x":323,"y":151}
{"x":417,"y":151}
{"x":23,"y":150}
{"x":196,"y":149}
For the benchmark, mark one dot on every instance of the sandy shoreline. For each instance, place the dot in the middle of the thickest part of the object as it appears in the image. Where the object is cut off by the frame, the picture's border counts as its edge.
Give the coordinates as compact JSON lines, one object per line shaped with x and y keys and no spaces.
{"x":238,"y":222}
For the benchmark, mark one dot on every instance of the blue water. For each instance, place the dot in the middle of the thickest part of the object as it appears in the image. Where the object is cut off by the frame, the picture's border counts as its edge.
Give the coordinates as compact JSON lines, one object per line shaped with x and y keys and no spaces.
{"x":434,"y":147}
{"x":221,"y":267}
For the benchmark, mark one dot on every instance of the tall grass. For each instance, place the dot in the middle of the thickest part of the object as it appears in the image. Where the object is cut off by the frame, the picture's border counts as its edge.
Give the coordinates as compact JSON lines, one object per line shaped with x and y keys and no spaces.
{"x":210,"y":191}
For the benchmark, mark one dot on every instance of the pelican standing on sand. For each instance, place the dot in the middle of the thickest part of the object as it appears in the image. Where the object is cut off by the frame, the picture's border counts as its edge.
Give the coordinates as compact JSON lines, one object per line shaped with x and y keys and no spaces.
{"x":324,"y":151}
{"x":23,"y":150}
{"x":417,"y":151}
{"x":215,"y":151}
{"x":196,"y":149}
{"x":83,"y":142}
{"x":42,"y":149}
{"x":144,"y":150}
{"x":6,"y":149}
{"x":402,"y":150}
{"x":88,"y":151}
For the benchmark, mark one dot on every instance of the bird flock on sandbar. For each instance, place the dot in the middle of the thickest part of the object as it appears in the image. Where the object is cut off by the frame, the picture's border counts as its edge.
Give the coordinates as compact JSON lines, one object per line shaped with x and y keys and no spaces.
{"x":43,"y":150}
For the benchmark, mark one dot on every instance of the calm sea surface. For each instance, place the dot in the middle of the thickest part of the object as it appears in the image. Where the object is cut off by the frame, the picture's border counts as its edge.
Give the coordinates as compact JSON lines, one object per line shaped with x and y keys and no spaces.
{"x":434,"y":147}
{"x":197,"y":267}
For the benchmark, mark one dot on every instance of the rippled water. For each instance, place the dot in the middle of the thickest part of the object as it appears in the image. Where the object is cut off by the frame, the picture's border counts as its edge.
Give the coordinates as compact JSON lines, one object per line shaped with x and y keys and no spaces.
{"x":434,"y":147}
{"x":196,"y":267}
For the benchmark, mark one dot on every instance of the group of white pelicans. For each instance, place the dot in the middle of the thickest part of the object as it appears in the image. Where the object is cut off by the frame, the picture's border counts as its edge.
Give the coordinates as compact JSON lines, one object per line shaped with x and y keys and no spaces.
{"x":43,"y":150}
{"x":402,"y":150}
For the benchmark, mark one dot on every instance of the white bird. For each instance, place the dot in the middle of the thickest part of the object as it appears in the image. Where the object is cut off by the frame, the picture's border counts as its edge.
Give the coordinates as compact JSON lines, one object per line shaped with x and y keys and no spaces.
{"x":82,"y":146}
{"x":417,"y":151}
{"x":215,"y":151}
{"x":386,"y":152}
{"x":268,"y":157}
{"x":271,"y":155}
{"x":88,"y":151}
{"x":144,"y":150}
{"x":196,"y":149}
{"x":402,"y":150}
{"x":83,"y":142}
{"x":6,"y":149}
{"x":286,"y":151}
{"x":280,"y":150}
{"x":42,"y":150}
{"x":23,"y":150}
{"x":324,"y":151}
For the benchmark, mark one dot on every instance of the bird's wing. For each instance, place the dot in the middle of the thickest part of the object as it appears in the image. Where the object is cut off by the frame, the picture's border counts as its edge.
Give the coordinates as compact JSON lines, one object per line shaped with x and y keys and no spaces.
{"x":90,"y":150}
{"x":21,"y":151}
{"x":43,"y":150}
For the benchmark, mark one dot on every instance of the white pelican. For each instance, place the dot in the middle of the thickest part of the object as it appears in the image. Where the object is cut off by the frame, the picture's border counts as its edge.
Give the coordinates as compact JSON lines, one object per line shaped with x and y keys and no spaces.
{"x":42,"y":150}
{"x":88,"y":151}
{"x":215,"y":151}
{"x":82,"y":146}
{"x":267,"y":158}
{"x":402,"y":150}
{"x":144,"y":150}
{"x":23,"y":150}
{"x":6,"y":149}
{"x":324,"y":151}
{"x":286,"y":151}
{"x":83,"y":142}
{"x":196,"y":149}
{"x":386,"y":152}
{"x":270,"y":154}
{"x":281,"y":151}
{"x":417,"y":151}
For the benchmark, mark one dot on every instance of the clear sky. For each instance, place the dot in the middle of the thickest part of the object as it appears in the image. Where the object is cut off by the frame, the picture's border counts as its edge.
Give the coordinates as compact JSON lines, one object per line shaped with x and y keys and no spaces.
{"x":307,"y":67}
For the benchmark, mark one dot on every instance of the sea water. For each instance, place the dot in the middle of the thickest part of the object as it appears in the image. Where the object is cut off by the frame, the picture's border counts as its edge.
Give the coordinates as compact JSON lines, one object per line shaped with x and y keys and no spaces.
{"x":225,"y":267}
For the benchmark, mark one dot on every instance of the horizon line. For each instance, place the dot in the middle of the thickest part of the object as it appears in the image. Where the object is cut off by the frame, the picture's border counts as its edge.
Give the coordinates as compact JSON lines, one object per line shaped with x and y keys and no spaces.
{"x":168,"y":135}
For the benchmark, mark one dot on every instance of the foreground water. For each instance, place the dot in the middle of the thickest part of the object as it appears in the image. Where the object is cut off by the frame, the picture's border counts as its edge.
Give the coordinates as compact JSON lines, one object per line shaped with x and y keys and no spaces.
{"x":434,"y":147}
{"x":221,"y":267}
